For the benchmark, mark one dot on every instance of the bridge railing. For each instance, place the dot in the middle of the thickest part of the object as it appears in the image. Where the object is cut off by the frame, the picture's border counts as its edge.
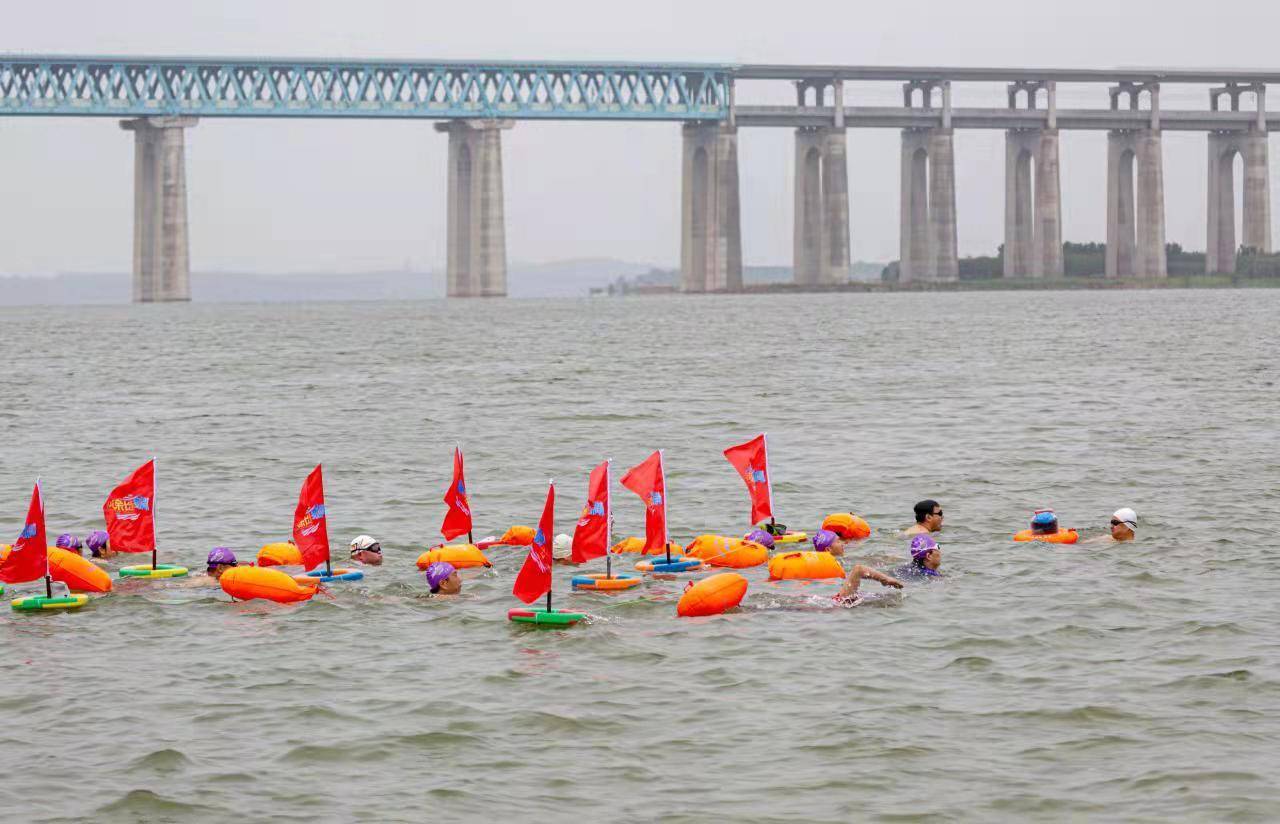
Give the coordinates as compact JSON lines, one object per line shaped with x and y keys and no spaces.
{"x":222,"y":88}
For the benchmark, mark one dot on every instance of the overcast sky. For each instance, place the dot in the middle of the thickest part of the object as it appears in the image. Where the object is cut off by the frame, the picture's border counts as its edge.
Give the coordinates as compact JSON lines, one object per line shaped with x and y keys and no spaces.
{"x":275,"y":196}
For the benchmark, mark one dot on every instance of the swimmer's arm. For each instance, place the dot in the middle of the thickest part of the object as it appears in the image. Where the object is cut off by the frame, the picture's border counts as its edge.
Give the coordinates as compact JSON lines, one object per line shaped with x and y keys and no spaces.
{"x":860,"y":571}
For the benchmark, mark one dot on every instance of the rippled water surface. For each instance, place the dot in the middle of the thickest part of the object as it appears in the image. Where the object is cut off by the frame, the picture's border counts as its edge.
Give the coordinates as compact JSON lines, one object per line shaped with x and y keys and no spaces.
{"x":1110,"y":682}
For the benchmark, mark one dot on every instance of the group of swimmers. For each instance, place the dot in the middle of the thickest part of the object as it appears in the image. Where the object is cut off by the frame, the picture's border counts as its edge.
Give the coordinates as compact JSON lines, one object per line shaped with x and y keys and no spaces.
{"x":834,"y":537}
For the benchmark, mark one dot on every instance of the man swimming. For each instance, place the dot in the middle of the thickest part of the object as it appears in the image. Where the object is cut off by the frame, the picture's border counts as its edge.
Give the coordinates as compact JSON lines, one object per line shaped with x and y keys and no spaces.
{"x":926,"y":558}
{"x":1123,"y":523}
{"x":928,"y":518}
{"x":365,"y":549}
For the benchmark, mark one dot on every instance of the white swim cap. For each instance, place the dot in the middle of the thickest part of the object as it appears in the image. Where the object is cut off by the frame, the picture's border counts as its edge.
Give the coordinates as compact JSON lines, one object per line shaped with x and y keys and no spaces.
{"x":1128,"y":516}
{"x":363,"y":542}
{"x":562,"y":547}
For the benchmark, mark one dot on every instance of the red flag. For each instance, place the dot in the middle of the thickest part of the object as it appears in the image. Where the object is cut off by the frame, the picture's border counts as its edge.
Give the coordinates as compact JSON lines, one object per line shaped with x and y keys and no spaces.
{"x":591,"y":535}
{"x":751,"y":459}
{"x":310,"y":527}
{"x":649,"y":482}
{"x":130,"y":511}
{"x":534,"y":579}
{"x":29,"y":558}
{"x":457,"y":521}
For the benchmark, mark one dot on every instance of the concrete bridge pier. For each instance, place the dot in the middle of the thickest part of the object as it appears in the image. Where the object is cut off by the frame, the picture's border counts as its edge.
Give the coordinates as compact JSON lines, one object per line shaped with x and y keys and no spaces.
{"x":820,"y":250}
{"x":927,"y":238}
{"x":711,"y":225}
{"x":1223,"y":148}
{"x":477,"y":247}
{"x":161,"y":250}
{"x":1032,"y":208}
{"x":1135,"y":204}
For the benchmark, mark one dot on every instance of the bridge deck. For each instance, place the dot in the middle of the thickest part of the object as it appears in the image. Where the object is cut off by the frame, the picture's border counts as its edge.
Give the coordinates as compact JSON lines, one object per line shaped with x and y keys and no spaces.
{"x":891,"y":117}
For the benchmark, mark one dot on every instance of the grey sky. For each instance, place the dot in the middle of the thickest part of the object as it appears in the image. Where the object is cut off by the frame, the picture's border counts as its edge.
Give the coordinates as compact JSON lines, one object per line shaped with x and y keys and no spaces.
{"x":271,"y":195}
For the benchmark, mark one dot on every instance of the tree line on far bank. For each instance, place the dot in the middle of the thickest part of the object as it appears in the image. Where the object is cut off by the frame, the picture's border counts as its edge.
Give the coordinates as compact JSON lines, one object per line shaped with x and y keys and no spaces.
{"x":1089,"y":260}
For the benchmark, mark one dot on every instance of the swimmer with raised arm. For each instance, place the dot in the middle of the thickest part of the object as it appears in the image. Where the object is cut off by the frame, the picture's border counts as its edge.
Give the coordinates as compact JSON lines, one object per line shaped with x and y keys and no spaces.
{"x":928,"y":518}
{"x":848,"y":595}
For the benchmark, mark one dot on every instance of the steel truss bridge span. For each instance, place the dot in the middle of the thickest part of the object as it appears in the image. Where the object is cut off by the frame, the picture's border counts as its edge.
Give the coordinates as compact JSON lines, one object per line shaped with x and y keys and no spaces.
{"x":157,"y":87}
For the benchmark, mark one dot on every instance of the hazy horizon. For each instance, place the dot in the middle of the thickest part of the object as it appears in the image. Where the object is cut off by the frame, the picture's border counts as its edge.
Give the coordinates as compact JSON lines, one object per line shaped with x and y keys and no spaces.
{"x":333,"y":196}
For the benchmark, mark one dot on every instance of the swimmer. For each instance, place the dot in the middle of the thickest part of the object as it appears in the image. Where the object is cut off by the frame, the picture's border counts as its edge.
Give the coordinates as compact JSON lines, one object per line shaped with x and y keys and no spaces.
{"x":69,"y":542}
{"x":219,"y":561}
{"x":926,"y":557}
{"x":443,"y":579}
{"x":848,"y":595}
{"x":1123,"y":523}
{"x":759,"y":536}
{"x":562,"y":551}
{"x":824,"y":540}
{"x":365,"y":549}
{"x":99,"y":544}
{"x":928,"y":518}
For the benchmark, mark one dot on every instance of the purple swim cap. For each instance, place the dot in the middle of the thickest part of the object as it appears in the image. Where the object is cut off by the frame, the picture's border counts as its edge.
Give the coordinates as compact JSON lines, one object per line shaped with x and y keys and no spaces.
{"x":823,"y":539}
{"x":759,"y":536}
{"x":68,"y":541}
{"x":921,"y":545}
{"x":97,"y":541}
{"x":221,"y":555}
{"x":437,"y":573}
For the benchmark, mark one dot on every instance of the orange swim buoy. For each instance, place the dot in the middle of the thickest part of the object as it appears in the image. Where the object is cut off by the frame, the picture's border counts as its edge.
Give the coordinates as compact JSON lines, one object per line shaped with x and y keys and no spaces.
{"x":635,"y":546}
{"x":462,"y":556}
{"x":705,"y":546}
{"x":282,"y":553}
{"x":79,"y":574}
{"x":847,"y":526}
{"x":1064,"y":536}
{"x":246,"y":583}
{"x":807,"y":566}
{"x":740,"y":555}
{"x":517,"y":536}
{"x":712,"y":596}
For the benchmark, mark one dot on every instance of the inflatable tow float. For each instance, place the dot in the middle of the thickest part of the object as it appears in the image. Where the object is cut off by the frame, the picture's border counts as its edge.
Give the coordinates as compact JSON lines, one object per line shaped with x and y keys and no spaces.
{"x":712,"y":595}
{"x":246,"y":583}
{"x":461,"y":556}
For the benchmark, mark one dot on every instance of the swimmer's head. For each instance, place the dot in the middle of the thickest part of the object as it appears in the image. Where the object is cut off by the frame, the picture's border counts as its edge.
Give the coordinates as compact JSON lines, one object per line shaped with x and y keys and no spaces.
{"x":925,"y":552}
{"x":220,"y":560}
{"x":824,"y":539}
{"x":442,"y":578}
{"x":68,"y":542}
{"x":1123,"y":524}
{"x":759,"y":536}
{"x":562,"y":549}
{"x":99,"y":544}
{"x":1044,"y":522}
{"x":929,"y":514}
{"x":366,"y":549}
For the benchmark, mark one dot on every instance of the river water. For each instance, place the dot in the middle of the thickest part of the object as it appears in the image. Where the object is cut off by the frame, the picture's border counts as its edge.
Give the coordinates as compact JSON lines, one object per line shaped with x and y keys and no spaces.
{"x":1137,"y":681}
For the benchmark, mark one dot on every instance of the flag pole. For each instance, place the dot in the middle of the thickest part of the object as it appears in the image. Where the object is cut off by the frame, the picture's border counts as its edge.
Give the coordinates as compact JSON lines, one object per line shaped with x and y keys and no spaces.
{"x":666,"y":534}
{"x":153,"y":513}
{"x":608,"y":521}
{"x":48,"y":579}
